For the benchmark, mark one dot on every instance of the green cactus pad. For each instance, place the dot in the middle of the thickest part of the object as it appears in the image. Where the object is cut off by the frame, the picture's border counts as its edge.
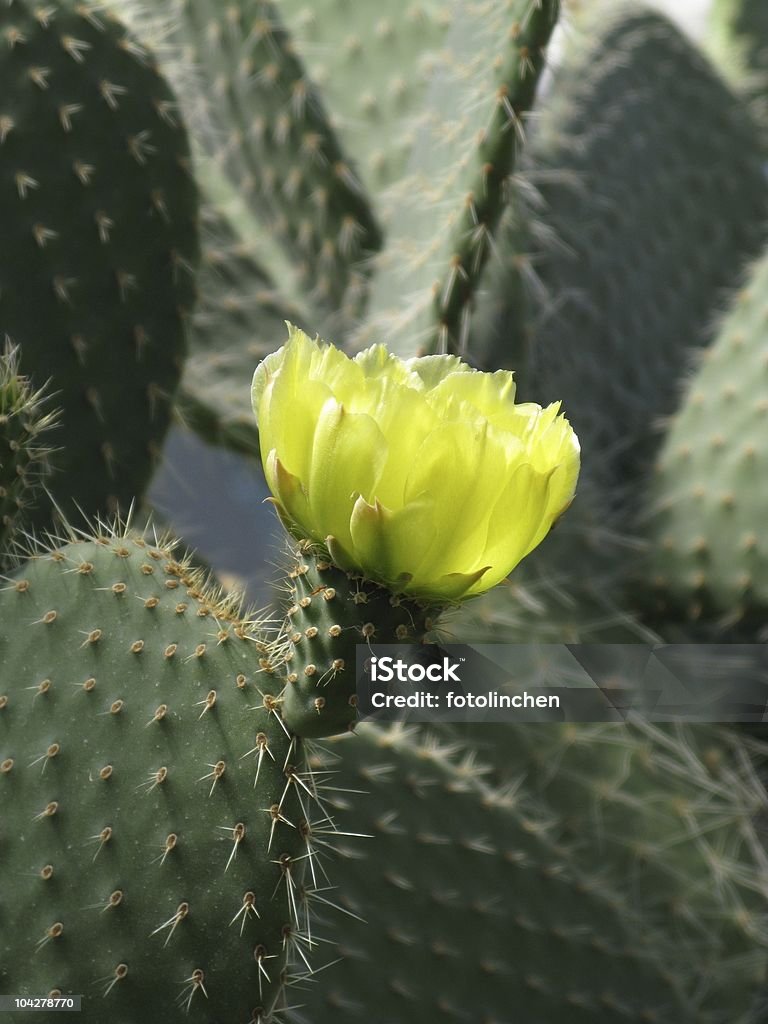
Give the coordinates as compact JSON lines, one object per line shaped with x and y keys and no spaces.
{"x":159,"y":821}
{"x":373,"y":66}
{"x":478,"y":99}
{"x":708,"y":499}
{"x":98,"y":209}
{"x":651,"y":197}
{"x":279,"y":152}
{"x":490,"y":902}
{"x":23,"y":459}
{"x":330,"y":612}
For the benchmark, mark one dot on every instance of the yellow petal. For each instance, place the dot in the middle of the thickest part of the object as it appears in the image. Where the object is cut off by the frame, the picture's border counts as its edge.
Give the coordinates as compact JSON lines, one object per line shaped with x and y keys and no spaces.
{"x":289,"y":405}
{"x":452,"y":587}
{"x":390,"y":545}
{"x":405,"y":419}
{"x":431,"y":370}
{"x":518,"y":522}
{"x":290,"y":495}
{"x":347,"y":456}
{"x":462,"y":467}
{"x":492,"y":395}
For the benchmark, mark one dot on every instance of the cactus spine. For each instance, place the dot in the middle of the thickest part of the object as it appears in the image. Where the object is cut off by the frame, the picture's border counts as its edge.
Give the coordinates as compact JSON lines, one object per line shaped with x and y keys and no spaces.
{"x":23,"y":458}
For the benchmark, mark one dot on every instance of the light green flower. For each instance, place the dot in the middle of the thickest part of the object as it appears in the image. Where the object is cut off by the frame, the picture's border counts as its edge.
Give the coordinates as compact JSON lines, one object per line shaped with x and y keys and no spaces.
{"x":421,"y":474}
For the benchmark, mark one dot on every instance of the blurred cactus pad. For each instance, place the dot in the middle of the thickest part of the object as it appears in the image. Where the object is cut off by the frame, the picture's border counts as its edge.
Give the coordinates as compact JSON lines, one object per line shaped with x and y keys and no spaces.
{"x":576,"y":192}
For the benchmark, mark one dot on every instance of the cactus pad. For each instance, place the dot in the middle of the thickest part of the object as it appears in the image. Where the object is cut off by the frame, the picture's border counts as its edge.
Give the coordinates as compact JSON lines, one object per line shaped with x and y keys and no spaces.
{"x":280,"y":152}
{"x":480,"y":93}
{"x":99,"y":240}
{"x":480,"y":897}
{"x":159,"y":821}
{"x":709,"y":496}
{"x":330,"y":613}
{"x":638,"y":142}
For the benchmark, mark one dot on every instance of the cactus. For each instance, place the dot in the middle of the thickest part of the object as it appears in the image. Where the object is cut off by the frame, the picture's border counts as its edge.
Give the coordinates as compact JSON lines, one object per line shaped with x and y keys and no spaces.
{"x":577,"y":891}
{"x":99,"y":242}
{"x":621,"y":867}
{"x":158,"y":816}
{"x":629,"y":271}
{"x":707,"y":501}
{"x":238,"y":300}
{"x":500,"y":51}
{"x":374,"y":72}
{"x":23,"y":458}
{"x":329,"y":613}
{"x":315,"y":205}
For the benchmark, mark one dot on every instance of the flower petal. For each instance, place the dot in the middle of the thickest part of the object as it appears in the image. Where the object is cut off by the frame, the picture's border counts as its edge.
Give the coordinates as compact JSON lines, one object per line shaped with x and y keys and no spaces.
{"x":518,"y":522}
{"x":347,"y":456}
{"x":289,"y":405}
{"x":463,"y":468}
{"x":452,"y":587}
{"x":431,"y":370}
{"x":390,"y":545}
{"x":491,"y":394}
{"x":289,"y":494}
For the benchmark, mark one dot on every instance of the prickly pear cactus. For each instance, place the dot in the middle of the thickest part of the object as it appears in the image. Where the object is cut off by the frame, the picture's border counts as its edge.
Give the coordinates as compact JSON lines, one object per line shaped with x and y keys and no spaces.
{"x":374,"y":68}
{"x":162,"y":825}
{"x":707,"y":501}
{"x":159,"y":822}
{"x":98,"y":208}
{"x":625,"y":264}
{"x":235,"y":324}
{"x":278,"y":149}
{"x":496,"y":54}
{"x":580,"y":900}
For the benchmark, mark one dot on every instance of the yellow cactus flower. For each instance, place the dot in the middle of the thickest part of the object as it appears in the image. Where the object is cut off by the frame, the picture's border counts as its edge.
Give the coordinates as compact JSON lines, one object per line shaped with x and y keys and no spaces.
{"x":422,"y":474}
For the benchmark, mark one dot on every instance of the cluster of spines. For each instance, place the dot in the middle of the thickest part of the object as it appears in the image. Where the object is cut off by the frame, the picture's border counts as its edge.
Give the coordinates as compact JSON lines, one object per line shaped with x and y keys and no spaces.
{"x":24,"y":420}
